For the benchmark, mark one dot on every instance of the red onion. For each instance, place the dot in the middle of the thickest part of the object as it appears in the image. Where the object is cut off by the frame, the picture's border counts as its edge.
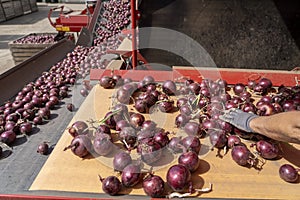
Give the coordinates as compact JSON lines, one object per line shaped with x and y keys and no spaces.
{"x":111,"y":185}
{"x":178,"y":177}
{"x":154,"y":186}
{"x":288,"y":173}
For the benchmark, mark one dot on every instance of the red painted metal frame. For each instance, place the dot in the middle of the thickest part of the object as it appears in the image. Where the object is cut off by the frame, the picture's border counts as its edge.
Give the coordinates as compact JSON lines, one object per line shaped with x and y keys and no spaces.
{"x":66,"y":22}
{"x":133,"y":29}
{"x":232,"y":76}
{"x":38,"y":197}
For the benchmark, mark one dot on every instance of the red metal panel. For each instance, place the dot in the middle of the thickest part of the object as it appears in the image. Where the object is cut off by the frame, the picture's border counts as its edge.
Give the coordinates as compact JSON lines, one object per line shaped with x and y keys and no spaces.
{"x":78,"y":20}
{"x":38,"y":197}
{"x":232,"y":76}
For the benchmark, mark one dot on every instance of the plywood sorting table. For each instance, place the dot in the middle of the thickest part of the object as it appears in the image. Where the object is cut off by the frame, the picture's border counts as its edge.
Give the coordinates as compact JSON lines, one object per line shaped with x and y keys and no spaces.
{"x":65,"y":172}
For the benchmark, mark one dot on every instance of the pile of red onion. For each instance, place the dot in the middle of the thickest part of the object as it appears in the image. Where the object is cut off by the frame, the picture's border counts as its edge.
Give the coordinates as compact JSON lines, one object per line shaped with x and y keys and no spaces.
{"x":34,"y":38}
{"x":198,"y":106}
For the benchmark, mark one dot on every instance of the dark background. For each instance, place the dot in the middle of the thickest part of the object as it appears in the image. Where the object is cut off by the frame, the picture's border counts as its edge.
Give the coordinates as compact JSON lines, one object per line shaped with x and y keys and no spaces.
{"x":256,"y":34}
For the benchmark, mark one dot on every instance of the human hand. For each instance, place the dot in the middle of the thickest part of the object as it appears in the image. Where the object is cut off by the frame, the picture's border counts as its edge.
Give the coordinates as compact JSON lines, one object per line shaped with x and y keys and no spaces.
{"x":238,"y":118}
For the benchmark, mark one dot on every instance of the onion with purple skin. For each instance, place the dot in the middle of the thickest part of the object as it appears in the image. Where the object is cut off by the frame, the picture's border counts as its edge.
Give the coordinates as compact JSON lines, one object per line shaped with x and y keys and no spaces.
{"x":178,"y":177}
{"x":149,"y":98}
{"x":238,"y":88}
{"x":78,"y":128}
{"x":265,"y":109}
{"x":29,"y":114}
{"x":265,"y":83}
{"x":44,"y":113}
{"x":166,"y":106}
{"x":111,"y":185}
{"x":144,"y":134}
{"x":242,"y":156}
{"x":121,"y":160}
{"x":218,"y":138}
{"x":8,"y":137}
{"x":102,"y":128}
{"x":84,"y":92}
{"x":80,"y":145}
{"x":121,"y":124}
{"x":193,"y":128}
{"x":131,"y":175}
{"x":150,"y":151}
{"x":181,"y":120}
{"x":186,"y":110}
{"x":128,"y":137}
{"x":12,"y":126}
{"x":191,"y":143}
{"x":141,"y":106}
{"x":110,"y":120}
{"x":148,"y":80}
{"x":149,"y":125}
{"x":251,"y":84}
{"x":102,"y":144}
{"x":175,"y":145}
{"x":267,"y":150}
{"x":43,"y":148}
{"x":38,"y":120}
{"x":194,"y":87}
{"x":107,"y":82}
{"x":181,"y":101}
{"x":70,"y":107}
{"x":119,"y":81}
{"x":233,"y":140}
{"x":25,"y":128}
{"x":154,"y":186}
{"x":289,"y":173}
{"x":249,"y":107}
{"x":169,"y":87}
{"x":137,"y":119}
{"x":189,"y":159}
{"x":209,"y":124}
{"x":161,"y":137}
{"x":123,"y":96}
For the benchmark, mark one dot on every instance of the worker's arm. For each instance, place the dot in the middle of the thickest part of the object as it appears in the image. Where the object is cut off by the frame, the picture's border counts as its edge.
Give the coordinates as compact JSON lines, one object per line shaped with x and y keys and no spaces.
{"x":283,"y":126}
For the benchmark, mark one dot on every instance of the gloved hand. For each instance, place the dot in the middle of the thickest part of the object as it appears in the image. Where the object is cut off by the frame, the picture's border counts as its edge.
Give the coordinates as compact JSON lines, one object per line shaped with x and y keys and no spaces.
{"x":238,"y":118}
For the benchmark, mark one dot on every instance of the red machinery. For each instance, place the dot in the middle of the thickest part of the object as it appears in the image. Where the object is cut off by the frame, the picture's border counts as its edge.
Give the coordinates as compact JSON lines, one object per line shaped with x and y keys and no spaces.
{"x":70,"y":20}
